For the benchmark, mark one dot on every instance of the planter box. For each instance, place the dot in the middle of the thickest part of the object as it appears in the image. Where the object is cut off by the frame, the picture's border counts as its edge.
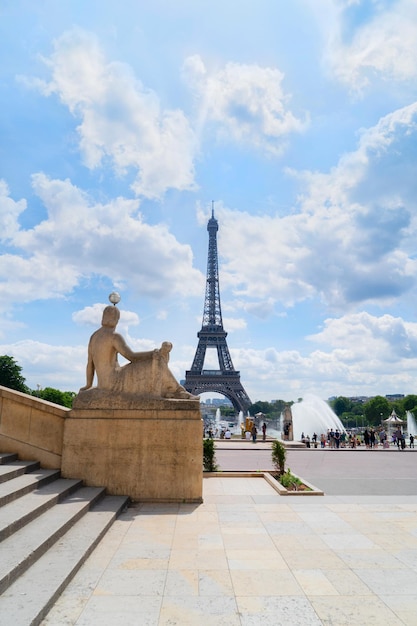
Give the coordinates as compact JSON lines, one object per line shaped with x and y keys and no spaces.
{"x":266,"y":475}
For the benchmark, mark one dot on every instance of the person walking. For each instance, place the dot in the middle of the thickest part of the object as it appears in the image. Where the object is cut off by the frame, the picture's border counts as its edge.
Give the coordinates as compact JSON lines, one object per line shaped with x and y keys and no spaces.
{"x":264,"y":431}
{"x":254,"y":432}
{"x":372,"y":438}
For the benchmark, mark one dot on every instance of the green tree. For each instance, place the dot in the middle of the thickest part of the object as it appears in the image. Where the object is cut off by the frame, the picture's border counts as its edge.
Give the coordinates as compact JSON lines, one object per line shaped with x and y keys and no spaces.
{"x":227,"y":411}
{"x":64,"y":398}
{"x":11,"y":374}
{"x":376,"y":410}
{"x":398,"y":406}
{"x":348,"y":419}
{"x":409,"y":402}
{"x":279,"y":455}
{"x":279,"y":405}
{"x":341,"y":405}
{"x":260,"y":407}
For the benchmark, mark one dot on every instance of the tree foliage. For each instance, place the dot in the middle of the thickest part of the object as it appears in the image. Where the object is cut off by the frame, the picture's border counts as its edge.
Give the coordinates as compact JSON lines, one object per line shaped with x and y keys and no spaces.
{"x":260,"y":407}
{"x":409,"y":403}
{"x":209,"y":456}
{"x":64,"y":398}
{"x":11,"y":374}
{"x":269,"y":409}
{"x":341,"y":405}
{"x":376,"y":410}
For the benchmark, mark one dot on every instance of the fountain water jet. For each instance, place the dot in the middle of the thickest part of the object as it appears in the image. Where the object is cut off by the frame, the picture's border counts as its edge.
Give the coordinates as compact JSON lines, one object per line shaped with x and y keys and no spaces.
{"x":313,"y":415}
{"x":411,"y":424}
{"x":240,"y":421}
{"x":217,"y":421}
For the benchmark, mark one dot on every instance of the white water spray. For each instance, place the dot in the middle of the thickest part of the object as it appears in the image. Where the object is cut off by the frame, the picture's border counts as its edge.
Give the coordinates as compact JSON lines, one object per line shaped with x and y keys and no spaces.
{"x":411,"y":424}
{"x":313,"y":415}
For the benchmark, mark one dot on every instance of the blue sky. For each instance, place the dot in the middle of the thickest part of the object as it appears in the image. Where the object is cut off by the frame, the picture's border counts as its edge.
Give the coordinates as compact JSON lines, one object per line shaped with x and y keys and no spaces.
{"x":122,"y":121}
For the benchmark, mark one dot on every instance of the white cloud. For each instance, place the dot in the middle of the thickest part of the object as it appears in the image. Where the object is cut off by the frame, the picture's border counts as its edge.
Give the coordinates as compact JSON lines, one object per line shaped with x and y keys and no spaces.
{"x":9,"y":213}
{"x":61,"y":367}
{"x":384,"y":45}
{"x":81,"y":237}
{"x":122,"y":121}
{"x":351,"y":239}
{"x":91,"y":315}
{"x":233,"y":323}
{"x":384,"y":339}
{"x":377,"y":355}
{"x":261,"y":309}
{"x":246,"y":103}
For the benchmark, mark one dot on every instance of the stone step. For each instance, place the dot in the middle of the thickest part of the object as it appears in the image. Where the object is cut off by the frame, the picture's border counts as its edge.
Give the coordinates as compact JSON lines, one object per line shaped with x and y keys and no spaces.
{"x":7,"y":457}
{"x":17,"y":487}
{"x":19,"y":551}
{"x":23,"y":510}
{"x":16,"y":468}
{"x":29,"y":598}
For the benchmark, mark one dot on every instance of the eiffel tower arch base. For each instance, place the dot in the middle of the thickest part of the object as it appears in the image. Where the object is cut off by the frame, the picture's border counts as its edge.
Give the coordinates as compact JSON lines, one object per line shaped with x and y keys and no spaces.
{"x":228,"y":385}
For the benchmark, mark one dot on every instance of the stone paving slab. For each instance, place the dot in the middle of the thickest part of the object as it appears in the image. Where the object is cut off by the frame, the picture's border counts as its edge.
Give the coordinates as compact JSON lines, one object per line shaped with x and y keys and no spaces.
{"x":247,"y":556}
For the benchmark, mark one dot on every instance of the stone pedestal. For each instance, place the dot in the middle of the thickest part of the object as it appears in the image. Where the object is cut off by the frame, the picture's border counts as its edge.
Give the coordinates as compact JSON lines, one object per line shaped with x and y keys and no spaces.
{"x":151,"y":453}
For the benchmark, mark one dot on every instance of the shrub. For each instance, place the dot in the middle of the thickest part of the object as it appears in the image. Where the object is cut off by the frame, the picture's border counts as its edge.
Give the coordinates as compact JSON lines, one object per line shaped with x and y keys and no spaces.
{"x":209,"y":456}
{"x":289,"y":481}
{"x":279,"y":455}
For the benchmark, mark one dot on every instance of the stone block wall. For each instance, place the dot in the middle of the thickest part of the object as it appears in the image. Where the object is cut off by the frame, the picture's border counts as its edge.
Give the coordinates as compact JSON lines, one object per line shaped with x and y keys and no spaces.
{"x":31,"y":427}
{"x":153,"y":453}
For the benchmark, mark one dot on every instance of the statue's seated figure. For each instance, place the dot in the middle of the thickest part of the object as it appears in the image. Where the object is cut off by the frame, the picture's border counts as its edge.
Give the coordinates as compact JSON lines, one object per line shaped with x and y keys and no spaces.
{"x":147,"y":374}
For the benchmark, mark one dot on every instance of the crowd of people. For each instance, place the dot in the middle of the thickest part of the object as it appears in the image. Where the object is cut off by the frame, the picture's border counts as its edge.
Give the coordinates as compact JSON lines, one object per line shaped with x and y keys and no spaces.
{"x":370,"y":438}
{"x":224,"y":433}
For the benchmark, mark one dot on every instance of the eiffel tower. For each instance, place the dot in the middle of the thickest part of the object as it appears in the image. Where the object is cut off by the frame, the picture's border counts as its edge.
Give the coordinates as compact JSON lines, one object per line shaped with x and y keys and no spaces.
{"x":225,"y":380}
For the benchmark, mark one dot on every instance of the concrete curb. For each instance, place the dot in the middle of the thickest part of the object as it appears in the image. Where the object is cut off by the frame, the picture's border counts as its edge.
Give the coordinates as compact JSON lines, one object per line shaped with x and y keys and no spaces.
{"x":266,"y":475}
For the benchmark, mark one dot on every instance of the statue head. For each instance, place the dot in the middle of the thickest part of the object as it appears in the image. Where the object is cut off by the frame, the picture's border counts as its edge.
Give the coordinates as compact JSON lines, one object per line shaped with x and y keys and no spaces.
{"x":111,"y":316}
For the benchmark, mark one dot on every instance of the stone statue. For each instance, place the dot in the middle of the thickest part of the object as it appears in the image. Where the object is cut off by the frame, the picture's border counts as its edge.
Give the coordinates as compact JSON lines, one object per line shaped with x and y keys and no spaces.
{"x":147,"y":375}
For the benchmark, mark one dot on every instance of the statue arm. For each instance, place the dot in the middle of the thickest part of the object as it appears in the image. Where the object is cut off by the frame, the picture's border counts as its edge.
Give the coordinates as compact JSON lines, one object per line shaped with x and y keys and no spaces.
{"x":123,"y":349}
{"x":89,"y":371}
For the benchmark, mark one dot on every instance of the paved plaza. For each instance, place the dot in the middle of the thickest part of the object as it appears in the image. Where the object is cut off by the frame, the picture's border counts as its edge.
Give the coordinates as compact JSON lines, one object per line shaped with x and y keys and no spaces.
{"x":248,"y":556}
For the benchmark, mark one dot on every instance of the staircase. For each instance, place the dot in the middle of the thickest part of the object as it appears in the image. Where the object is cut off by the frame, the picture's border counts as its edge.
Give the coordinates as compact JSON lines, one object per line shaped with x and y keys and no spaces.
{"x":48,"y":527}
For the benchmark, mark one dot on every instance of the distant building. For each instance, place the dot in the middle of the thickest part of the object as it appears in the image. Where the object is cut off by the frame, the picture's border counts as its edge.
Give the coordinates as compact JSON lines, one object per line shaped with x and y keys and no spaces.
{"x":217,"y":402}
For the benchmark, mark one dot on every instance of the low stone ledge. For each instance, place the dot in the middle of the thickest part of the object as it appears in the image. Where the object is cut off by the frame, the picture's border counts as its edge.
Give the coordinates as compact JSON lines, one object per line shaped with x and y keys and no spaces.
{"x":107,"y":401}
{"x":153,"y":408}
{"x":266,"y":475}
{"x":289,"y":492}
